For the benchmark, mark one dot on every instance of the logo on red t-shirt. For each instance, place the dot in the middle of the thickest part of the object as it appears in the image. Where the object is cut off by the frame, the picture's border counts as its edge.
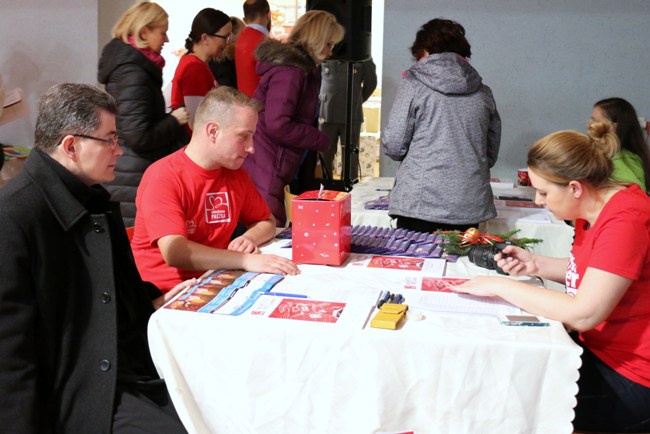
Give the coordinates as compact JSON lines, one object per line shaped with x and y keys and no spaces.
{"x":572,"y":276}
{"x":217,"y":208}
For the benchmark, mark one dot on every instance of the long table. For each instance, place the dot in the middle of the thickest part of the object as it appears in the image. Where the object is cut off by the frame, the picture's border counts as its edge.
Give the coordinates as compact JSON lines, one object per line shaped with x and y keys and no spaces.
{"x":439,"y":373}
{"x":557,"y":236}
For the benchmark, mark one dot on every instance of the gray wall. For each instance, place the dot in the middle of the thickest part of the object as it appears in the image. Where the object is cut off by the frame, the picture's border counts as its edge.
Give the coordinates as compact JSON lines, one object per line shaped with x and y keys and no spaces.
{"x":44,"y":43}
{"x":109,"y":11}
{"x":48,"y":42}
{"x":547,"y":61}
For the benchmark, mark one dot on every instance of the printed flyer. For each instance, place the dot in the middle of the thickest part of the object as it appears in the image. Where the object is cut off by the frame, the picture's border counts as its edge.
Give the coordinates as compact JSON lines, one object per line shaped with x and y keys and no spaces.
{"x":308,"y":310}
{"x":229,"y":292}
{"x":396,"y":272}
{"x":440,"y":284}
{"x":437,"y":294}
{"x":320,"y":307}
{"x":428,"y":266}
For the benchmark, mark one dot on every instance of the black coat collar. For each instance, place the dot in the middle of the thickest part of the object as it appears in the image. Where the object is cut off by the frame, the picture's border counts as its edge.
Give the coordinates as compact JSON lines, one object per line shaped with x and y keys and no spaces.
{"x":68,"y":198}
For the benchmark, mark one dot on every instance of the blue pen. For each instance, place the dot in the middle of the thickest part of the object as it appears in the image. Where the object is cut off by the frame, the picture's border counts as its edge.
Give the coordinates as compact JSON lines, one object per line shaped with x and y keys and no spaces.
{"x":284,"y":294}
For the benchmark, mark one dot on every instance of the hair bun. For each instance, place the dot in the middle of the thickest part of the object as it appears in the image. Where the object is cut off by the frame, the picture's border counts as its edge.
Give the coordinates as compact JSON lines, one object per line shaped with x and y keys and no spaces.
{"x":598,"y":129}
{"x":601,"y":133}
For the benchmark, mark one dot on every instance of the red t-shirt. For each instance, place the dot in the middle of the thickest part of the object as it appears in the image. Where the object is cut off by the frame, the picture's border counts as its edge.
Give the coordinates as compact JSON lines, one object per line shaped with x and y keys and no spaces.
{"x":619,"y":243}
{"x":192,"y":78}
{"x":245,"y":61}
{"x":178,"y":197}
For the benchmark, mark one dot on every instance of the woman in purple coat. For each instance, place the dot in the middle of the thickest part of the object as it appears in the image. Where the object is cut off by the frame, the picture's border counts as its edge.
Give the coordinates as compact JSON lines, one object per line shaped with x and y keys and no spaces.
{"x":287,"y":127}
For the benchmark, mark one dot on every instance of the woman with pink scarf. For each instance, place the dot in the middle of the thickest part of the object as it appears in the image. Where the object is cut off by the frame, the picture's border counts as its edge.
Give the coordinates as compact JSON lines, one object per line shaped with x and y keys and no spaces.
{"x":131,"y":68}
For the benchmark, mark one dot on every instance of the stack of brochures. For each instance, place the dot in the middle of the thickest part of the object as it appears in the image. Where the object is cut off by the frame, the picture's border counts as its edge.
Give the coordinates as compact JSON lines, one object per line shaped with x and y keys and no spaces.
{"x":392,"y":242}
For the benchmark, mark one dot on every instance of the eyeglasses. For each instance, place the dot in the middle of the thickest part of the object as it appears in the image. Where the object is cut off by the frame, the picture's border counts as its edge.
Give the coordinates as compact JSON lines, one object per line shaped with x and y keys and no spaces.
{"x":226,"y":38}
{"x":112,"y":142}
{"x":330,"y":45}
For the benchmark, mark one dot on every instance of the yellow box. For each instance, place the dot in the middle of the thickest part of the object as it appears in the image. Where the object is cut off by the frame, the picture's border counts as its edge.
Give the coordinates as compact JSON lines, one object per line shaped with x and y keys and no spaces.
{"x":390,"y":316}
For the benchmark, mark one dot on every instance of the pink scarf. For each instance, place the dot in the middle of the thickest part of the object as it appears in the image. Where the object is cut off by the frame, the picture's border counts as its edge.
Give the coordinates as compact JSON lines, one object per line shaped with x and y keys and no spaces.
{"x":149,"y":53}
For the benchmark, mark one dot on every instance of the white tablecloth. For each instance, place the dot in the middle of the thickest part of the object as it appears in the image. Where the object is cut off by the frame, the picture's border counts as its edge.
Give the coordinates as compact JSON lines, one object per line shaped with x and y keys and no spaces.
{"x":557,"y":236}
{"x":447,"y":373}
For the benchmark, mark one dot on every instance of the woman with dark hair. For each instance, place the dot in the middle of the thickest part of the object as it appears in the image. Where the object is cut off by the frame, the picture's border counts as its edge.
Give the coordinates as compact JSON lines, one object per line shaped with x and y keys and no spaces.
{"x":607,"y":275}
{"x":445,"y":131}
{"x":632,"y":163}
{"x":211,"y":31}
{"x":223,"y":66}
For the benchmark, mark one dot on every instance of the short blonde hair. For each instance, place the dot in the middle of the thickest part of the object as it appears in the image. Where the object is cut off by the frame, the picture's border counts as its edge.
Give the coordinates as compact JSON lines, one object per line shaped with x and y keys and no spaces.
{"x":137,"y":17}
{"x":218,"y":103}
{"x":314,"y":30}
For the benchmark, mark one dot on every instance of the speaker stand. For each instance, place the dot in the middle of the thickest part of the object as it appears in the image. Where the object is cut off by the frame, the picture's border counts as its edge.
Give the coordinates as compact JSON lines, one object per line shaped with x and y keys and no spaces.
{"x":349,"y":148}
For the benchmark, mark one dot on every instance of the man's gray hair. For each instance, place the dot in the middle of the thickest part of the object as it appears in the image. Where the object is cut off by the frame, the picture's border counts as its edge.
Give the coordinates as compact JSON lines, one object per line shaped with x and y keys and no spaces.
{"x":69,"y":108}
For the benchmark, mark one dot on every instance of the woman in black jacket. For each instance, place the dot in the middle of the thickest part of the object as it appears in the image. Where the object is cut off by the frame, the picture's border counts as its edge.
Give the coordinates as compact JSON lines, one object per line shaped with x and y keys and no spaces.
{"x":131,"y":68}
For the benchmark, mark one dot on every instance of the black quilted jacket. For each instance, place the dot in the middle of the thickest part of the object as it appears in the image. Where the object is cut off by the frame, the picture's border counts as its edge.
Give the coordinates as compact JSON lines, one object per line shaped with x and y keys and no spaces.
{"x":147,"y":133}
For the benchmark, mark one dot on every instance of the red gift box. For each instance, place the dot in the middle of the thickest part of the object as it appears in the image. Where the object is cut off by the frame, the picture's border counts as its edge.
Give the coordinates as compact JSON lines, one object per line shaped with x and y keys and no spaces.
{"x":321,"y":227}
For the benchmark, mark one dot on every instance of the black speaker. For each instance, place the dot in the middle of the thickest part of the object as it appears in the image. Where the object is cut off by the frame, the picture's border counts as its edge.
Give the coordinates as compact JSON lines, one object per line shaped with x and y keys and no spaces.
{"x":356,"y":17}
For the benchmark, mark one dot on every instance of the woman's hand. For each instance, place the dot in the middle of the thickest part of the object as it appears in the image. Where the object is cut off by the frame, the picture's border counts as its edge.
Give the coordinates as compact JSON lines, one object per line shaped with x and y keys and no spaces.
{"x":517,"y":261}
{"x":181,"y":115}
{"x":481,"y":286}
{"x":160,"y":301}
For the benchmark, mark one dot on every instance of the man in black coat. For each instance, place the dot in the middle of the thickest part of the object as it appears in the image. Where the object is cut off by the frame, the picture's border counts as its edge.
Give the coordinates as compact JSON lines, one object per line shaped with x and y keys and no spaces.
{"x":74,"y":356}
{"x":334,"y":104}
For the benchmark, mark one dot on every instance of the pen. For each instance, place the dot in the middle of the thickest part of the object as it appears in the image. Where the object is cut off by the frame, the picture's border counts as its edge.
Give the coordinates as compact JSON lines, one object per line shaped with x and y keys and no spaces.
{"x":284,"y":294}
{"x":382,"y":189}
{"x":524,"y":199}
{"x":382,"y":294}
{"x":384,"y":299}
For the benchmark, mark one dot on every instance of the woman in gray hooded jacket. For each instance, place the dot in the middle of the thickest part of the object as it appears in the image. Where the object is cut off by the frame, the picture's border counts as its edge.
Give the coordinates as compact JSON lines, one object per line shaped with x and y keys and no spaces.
{"x":445,"y":131}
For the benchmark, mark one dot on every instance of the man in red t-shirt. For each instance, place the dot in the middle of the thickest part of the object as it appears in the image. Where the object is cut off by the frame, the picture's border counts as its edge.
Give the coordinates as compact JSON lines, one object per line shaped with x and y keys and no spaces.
{"x":257,"y":14}
{"x":189,"y":203}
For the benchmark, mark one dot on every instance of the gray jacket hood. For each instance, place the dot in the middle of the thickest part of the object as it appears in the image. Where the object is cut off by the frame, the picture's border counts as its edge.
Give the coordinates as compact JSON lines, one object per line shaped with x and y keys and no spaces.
{"x":447,"y":73}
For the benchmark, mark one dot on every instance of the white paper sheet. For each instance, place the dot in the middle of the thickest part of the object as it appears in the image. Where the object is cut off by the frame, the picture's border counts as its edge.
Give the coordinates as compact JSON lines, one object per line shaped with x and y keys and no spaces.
{"x":459,"y":303}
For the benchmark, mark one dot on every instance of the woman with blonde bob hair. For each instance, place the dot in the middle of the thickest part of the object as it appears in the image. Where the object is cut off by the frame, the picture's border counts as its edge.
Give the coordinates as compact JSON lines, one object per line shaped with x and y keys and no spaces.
{"x":131,"y":68}
{"x":136,"y":19}
{"x":318,"y":32}
{"x":607,"y":276}
{"x":287,"y":137}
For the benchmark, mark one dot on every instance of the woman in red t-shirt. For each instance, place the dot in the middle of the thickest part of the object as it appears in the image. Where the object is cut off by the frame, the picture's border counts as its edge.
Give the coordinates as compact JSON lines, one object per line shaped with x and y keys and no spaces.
{"x":211,"y":30}
{"x":607,"y":277}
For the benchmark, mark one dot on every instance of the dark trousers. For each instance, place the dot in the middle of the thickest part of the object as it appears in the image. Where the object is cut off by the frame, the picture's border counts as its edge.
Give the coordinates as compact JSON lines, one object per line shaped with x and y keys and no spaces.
{"x":607,"y":401}
{"x":418,"y":225}
{"x":336,"y":132}
{"x":145,"y":411}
